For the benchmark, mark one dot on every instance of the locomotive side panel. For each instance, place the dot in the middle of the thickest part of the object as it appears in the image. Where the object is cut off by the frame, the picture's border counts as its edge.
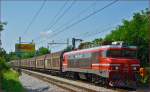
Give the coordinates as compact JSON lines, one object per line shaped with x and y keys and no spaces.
{"x":79,"y":60}
{"x":82,"y":61}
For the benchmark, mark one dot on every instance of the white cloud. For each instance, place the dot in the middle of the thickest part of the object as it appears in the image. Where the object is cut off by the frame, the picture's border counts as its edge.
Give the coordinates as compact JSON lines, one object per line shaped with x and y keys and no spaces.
{"x":46,"y":33}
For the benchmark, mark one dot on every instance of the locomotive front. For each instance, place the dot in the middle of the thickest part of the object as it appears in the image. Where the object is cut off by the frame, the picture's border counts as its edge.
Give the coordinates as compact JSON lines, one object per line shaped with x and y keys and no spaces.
{"x":123,"y":65}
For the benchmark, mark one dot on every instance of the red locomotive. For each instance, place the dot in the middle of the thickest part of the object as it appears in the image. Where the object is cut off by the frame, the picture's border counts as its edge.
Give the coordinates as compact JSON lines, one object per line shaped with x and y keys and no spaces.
{"x":114,"y":64}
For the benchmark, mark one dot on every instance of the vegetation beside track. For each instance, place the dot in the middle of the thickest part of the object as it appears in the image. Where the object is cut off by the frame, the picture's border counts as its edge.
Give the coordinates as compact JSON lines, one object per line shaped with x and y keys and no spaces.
{"x":10,"y":82}
{"x":9,"y":79}
{"x":148,"y":76}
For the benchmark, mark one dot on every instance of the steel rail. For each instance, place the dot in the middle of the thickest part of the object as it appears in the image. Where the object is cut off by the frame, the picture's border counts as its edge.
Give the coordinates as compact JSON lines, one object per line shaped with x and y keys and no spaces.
{"x":70,"y":85}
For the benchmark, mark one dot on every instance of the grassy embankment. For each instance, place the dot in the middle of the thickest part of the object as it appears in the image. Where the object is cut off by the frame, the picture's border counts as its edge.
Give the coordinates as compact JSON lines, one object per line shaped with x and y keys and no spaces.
{"x":10,"y":82}
{"x":9,"y":79}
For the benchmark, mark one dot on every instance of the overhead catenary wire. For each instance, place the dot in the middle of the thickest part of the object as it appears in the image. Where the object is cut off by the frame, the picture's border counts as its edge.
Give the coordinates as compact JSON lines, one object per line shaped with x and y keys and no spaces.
{"x":98,"y":32}
{"x":74,"y":18}
{"x":82,"y":19}
{"x":78,"y":15}
{"x":88,"y":34}
{"x":58,"y":13}
{"x":85,"y":35}
{"x":34,"y":17}
{"x":59,"y":17}
{"x":62,"y":15}
{"x":54,"y":18}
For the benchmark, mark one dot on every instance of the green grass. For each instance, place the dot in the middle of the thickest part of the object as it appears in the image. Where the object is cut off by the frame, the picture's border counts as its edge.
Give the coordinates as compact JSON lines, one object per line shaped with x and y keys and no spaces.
{"x":148,"y":72}
{"x":10,"y":82}
{"x":148,"y":69}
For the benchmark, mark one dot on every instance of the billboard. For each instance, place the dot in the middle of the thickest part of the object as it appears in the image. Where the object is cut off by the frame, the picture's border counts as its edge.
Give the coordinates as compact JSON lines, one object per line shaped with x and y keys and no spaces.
{"x":25,"y":47}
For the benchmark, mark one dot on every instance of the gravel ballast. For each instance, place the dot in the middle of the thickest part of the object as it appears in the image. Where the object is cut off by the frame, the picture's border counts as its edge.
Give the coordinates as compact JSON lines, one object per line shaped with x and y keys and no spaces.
{"x":32,"y":84}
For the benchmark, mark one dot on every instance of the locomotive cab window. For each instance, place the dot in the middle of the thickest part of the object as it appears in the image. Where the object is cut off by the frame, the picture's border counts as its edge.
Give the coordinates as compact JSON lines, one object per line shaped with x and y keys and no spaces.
{"x":122,"y":53}
{"x":103,"y":53}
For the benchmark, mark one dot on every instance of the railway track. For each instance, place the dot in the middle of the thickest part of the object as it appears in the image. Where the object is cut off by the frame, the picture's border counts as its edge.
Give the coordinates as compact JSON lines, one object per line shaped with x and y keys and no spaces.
{"x":71,"y":85}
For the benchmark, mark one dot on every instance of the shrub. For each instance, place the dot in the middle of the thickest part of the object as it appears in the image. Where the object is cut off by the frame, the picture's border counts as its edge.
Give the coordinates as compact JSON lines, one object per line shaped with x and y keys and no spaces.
{"x":10,"y":82}
{"x":3,"y":65}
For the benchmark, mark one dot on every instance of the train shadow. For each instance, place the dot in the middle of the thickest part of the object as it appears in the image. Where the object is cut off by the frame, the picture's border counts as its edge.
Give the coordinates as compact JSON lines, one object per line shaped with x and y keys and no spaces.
{"x":126,"y":88}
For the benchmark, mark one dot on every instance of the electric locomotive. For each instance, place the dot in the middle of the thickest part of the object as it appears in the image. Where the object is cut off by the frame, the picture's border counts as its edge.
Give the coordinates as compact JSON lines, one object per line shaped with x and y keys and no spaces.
{"x":115,"y":65}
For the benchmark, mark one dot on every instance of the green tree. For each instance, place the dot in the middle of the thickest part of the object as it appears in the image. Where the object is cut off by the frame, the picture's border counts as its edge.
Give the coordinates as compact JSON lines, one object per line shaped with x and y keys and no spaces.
{"x":134,"y":32}
{"x":27,"y":54}
{"x":24,"y":55}
{"x":42,"y":51}
{"x":12,"y":56}
{"x":85,"y":45}
{"x":97,"y":41}
{"x":2,"y":53}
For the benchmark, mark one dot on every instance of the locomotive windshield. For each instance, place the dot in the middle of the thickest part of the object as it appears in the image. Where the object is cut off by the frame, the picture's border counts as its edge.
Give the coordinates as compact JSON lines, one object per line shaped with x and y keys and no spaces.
{"x":122,"y":53}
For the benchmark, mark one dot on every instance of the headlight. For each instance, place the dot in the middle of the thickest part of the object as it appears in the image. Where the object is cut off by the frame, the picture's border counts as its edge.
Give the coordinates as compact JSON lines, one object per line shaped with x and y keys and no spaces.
{"x":134,"y":68}
{"x":116,"y":68}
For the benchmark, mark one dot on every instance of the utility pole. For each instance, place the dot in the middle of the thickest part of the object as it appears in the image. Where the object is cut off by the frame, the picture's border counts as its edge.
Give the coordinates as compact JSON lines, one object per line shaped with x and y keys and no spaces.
{"x":0,"y":41}
{"x":74,"y":42}
{"x":19,"y":53}
{"x":67,"y":42}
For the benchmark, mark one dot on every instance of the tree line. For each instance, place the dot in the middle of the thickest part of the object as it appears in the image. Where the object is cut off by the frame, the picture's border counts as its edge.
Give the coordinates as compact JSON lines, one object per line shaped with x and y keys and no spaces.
{"x":24,"y":55}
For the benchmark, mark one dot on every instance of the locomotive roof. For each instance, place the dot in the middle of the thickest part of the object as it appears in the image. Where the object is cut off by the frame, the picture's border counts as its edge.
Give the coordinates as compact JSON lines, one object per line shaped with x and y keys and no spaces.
{"x":101,"y":47}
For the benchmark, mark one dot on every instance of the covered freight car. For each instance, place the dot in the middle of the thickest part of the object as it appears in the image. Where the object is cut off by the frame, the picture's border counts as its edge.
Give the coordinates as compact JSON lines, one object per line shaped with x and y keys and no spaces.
{"x":40,"y":62}
{"x":53,"y":61}
{"x":32,"y":63}
{"x":24,"y":63}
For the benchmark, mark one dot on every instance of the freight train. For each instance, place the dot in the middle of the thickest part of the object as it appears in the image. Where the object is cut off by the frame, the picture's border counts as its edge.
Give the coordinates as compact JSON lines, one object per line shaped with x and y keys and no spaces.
{"x":113,"y":65}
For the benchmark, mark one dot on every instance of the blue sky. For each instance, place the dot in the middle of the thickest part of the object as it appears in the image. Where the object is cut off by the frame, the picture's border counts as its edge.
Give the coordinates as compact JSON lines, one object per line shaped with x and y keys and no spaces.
{"x":18,"y":15}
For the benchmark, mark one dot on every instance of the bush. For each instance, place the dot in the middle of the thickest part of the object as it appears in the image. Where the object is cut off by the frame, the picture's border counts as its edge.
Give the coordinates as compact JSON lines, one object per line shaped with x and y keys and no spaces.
{"x":10,"y":81}
{"x":3,"y":65}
